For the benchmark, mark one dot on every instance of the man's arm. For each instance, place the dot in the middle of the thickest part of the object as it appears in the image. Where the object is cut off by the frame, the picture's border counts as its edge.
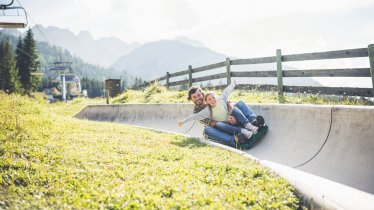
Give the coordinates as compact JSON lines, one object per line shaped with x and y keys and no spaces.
{"x":202,"y":115}
{"x":198,"y":109}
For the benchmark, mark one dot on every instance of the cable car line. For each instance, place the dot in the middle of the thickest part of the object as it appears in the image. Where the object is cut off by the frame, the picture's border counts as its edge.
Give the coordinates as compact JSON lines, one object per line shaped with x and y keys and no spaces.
{"x":36,"y":25}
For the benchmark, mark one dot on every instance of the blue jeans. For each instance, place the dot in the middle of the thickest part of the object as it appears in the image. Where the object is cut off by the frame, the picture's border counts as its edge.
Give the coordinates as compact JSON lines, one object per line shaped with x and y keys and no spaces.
{"x":241,"y":119}
{"x":228,"y":131}
{"x":227,"y":128}
{"x":241,"y":122}
{"x":247,"y":112}
{"x":215,"y":134}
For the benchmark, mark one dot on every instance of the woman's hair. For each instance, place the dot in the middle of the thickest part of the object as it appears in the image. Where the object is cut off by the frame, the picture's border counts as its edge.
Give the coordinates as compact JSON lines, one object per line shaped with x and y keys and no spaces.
{"x":209,"y":107}
{"x":206,"y":96}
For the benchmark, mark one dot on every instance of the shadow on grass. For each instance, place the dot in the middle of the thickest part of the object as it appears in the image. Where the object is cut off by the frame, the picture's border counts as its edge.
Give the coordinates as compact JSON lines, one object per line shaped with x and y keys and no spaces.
{"x":189,"y":142}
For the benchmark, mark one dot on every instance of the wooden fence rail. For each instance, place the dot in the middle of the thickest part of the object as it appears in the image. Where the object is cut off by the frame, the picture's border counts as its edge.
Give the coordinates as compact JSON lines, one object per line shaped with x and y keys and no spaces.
{"x":279,"y":59}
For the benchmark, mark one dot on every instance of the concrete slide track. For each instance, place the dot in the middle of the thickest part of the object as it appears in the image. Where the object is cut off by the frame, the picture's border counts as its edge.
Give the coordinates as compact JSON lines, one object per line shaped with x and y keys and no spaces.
{"x":333,"y":142}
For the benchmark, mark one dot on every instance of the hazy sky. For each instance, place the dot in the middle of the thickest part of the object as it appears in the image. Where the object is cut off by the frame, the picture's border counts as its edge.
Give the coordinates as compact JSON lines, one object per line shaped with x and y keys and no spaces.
{"x":239,"y":28}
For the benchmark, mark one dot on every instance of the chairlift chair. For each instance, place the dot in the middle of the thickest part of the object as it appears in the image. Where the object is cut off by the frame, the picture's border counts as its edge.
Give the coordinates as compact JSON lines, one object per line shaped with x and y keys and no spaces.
{"x":61,"y":66}
{"x":12,"y":25}
{"x":12,"y":20}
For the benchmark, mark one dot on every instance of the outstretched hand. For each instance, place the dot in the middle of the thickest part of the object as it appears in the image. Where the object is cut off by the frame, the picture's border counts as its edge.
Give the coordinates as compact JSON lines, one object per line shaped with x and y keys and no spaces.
{"x":180,"y":123}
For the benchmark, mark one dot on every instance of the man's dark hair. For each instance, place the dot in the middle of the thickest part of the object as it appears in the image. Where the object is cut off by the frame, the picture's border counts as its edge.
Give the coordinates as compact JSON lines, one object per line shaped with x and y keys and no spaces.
{"x":193,"y":90}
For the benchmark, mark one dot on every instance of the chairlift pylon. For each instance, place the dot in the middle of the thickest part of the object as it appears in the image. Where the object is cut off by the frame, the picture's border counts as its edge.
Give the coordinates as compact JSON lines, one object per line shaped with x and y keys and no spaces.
{"x":67,"y":80}
{"x":12,"y":23}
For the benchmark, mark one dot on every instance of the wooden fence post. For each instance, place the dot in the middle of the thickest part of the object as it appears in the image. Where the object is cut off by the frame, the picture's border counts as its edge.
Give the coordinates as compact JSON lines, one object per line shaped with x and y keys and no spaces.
{"x":167,"y":79}
{"x":371,"y":59}
{"x":190,"y":75}
{"x":228,"y":71}
{"x":280,"y":76}
{"x":107,"y":96}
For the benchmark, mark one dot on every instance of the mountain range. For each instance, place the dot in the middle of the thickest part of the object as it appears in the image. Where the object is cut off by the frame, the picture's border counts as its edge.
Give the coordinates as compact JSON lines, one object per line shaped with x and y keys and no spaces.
{"x":147,"y":61}
{"x":153,"y":60}
{"x":103,"y":51}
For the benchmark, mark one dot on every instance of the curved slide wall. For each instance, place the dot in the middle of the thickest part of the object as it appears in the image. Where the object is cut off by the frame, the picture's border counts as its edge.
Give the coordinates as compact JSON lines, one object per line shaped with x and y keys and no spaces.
{"x":333,"y":142}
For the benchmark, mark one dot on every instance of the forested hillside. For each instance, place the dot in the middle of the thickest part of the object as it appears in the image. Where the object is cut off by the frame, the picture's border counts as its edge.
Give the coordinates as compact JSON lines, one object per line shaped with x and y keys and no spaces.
{"x":92,"y":75}
{"x":50,"y":54}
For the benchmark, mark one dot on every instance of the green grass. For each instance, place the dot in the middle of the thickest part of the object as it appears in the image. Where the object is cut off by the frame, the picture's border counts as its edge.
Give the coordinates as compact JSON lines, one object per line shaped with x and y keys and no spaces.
{"x":159,"y":94}
{"x":50,"y":160}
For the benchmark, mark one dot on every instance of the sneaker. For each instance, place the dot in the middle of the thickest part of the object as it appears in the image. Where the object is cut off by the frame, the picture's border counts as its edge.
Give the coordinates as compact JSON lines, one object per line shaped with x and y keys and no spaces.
{"x":246,"y":133}
{"x":251,"y":127}
{"x":241,"y":138}
{"x":259,"y":121}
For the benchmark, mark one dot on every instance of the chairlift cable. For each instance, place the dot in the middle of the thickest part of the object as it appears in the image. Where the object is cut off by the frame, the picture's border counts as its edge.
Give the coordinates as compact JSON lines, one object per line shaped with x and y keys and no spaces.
{"x":23,"y":52}
{"x":6,"y":6}
{"x":21,"y":7}
{"x":41,"y":32}
{"x":36,"y":25}
{"x":15,"y":46}
{"x":26,"y":16}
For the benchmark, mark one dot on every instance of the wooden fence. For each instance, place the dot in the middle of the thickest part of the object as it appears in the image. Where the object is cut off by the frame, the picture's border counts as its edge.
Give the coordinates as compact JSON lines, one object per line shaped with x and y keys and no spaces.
{"x":279,"y":59}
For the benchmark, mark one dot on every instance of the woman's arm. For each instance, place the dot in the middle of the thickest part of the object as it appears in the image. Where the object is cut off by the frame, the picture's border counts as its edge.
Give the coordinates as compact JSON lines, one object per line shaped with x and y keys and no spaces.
{"x":226,"y":92}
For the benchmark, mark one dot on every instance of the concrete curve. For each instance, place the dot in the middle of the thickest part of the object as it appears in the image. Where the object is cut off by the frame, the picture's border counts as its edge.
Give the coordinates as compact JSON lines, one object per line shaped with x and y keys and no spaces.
{"x":348,"y":156}
{"x":333,"y":142}
{"x":293,"y":137}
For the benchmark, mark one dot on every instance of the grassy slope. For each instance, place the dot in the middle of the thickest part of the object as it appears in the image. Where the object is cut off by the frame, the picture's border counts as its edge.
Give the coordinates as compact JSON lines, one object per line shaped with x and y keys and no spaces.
{"x":50,"y":160}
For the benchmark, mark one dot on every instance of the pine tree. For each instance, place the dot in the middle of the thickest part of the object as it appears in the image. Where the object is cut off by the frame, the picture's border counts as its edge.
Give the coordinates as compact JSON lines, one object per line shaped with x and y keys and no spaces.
{"x":9,"y":73}
{"x":27,"y":62}
{"x":33,"y":61}
{"x":2,"y":71}
{"x":23,"y":74}
{"x":138,"y":82}
{"x":94,"y":87}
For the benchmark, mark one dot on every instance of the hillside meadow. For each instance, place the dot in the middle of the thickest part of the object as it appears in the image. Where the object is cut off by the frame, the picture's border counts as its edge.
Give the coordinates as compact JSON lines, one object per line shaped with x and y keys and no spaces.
{"x":159,"y":94}
{"x":50,"y":160}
